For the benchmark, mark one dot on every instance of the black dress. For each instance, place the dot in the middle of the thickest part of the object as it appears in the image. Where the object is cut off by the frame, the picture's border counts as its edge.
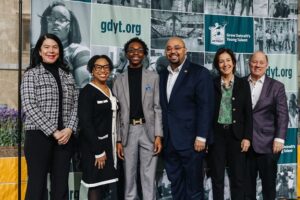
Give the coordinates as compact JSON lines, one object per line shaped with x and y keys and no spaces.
{"x":97,"y":120}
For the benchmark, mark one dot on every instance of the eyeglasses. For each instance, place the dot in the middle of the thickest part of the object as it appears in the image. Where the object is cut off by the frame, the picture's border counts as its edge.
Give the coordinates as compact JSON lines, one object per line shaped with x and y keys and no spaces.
{"x":98,"y":68}
{"x":131,"y":50}
{"x":52,"y":19}
{"x":175,"y":48}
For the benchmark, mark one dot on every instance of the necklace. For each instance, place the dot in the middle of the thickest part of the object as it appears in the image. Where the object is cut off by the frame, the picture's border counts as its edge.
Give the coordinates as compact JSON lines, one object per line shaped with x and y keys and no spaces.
{"x":103,"y":87}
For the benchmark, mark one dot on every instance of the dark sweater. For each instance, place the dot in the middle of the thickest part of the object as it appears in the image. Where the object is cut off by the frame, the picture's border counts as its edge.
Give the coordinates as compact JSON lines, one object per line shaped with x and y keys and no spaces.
{"x":135,"y":92}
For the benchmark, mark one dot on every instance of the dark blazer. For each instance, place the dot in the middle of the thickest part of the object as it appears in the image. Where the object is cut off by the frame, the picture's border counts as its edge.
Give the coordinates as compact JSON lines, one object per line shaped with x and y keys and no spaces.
{"x":241,"y":107}
{"x":270,"y":116}
{"x":188,"y":113}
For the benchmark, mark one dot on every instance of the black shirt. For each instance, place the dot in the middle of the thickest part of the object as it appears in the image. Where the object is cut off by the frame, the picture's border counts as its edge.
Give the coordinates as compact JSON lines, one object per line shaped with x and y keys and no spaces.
{"x":53,"y":69}
{"x":135,"y":92}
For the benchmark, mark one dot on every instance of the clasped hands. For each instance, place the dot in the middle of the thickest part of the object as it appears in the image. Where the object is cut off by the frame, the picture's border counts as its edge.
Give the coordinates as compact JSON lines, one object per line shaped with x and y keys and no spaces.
{"x":62,"y":136}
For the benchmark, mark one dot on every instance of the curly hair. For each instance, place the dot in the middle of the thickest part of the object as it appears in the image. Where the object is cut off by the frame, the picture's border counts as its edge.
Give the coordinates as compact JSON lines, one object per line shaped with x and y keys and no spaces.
{"x":136,"y":39}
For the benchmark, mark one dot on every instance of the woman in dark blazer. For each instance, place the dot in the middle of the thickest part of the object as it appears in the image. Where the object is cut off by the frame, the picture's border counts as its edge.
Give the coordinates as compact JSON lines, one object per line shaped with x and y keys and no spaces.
{"x":232,"y":126}
{"x":97,"y":120}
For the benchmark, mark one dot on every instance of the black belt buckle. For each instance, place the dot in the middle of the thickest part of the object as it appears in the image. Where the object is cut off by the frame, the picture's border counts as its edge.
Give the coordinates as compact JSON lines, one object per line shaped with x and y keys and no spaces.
{"x":226,"y":126}
{"x":137,"y":121}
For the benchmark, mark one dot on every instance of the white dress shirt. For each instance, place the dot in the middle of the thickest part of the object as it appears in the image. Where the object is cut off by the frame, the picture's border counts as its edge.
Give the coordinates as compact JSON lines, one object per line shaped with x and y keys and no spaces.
{"x":256,"y":88}
{"x":173,"y":75}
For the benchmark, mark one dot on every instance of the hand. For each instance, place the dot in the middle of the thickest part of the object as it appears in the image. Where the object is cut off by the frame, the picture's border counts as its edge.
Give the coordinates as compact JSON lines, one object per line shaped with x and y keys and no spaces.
{"x":57,"y":134}
{"x":277,"y":146}
{"x":100,"y":162}
{"x":66,"y":134}
{"x":120,"y":151}
{"x":157,"y":145}
{"x":245,"y":144}
{"x":199,"y":145}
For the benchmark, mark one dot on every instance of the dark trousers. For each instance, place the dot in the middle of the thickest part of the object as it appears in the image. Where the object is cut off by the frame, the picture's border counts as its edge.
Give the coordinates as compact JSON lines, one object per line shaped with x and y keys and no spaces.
{"x":44,"y":155}
{"x":266,"y":166}
{"x":185,"y":171}
{"x":226,"y":151}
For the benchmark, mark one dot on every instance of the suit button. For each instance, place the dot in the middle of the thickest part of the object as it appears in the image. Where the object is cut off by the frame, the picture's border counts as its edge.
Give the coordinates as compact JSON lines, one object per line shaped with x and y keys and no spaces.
{"x":233,"y":98}
{"x":234,"y":121}
{"x":233,"y":109}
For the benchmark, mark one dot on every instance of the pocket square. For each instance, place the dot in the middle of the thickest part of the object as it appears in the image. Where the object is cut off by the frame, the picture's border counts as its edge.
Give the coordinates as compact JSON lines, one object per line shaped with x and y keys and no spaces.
{"x":148,"y":88}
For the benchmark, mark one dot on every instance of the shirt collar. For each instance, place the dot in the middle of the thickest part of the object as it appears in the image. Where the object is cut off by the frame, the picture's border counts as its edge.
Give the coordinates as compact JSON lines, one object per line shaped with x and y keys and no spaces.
{"x":177,"y":70}
{"x":231,"y":82}
{"x":260,"y":80}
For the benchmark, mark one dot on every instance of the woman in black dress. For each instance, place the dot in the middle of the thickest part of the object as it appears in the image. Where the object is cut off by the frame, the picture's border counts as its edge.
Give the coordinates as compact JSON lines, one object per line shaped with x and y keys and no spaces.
{"x":97,"y":118}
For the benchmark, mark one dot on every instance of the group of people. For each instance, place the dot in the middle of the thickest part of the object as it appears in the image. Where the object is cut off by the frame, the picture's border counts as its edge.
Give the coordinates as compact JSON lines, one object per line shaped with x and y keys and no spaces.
{"x":183,"y":113}
{"x":282,"y":39}
{"x":280,"y":9}
{"x":246,"y":5}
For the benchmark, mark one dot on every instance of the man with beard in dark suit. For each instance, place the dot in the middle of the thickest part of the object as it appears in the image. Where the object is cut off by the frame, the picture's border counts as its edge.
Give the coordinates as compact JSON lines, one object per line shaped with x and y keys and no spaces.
{"x":186,"y":96}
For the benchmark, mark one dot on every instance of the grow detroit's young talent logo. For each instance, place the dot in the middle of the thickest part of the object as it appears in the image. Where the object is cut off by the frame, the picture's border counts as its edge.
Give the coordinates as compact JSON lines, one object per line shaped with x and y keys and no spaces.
{"x":233,"y":32}
{"x":217,"y":34}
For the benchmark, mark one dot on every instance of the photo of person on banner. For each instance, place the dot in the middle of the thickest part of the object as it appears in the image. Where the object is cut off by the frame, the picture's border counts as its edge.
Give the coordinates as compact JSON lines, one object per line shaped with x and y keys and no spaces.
{"x":188,"y":26}
{"x":283,"y":8}
{"x":275,"y":35}
{"x":129,"y":3}
{"x":179,"y":5}
{"x":59,"y":20}
{"x":293,"y":110}
{"x":230,"y":7}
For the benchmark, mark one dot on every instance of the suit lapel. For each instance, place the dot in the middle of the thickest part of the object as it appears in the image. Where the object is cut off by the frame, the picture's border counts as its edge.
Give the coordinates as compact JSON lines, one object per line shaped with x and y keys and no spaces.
{"x":218,"y":93}
{"x":217,"y":83}
{"x":182,"y":74}
{"x":125,"y":86}
{"x":144,"y":83}
{"x":164,"y":80}
{"x":236,"y":86}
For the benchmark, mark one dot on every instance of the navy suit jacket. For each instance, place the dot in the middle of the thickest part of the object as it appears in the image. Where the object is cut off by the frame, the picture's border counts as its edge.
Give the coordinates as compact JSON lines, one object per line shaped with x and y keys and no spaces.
{"x":189,"y":112}
{"x":270,"y":116}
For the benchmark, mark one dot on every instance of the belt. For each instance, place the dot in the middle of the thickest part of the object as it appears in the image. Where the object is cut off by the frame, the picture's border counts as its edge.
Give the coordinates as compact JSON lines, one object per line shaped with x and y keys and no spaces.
{"x":225,"y":126}
{"x":137,"y":121}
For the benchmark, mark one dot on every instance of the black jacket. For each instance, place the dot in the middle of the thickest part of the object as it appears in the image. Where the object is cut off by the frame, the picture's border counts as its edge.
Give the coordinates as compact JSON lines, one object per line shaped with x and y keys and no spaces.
{"x":241,"y":107}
